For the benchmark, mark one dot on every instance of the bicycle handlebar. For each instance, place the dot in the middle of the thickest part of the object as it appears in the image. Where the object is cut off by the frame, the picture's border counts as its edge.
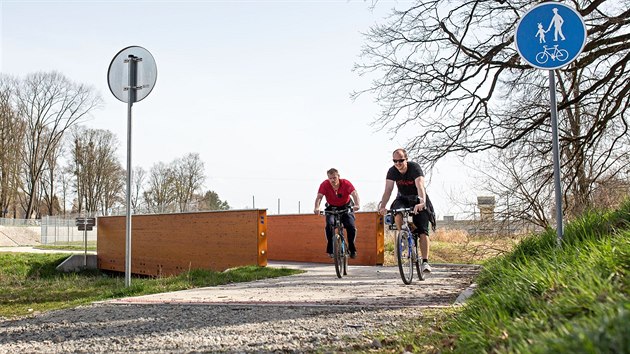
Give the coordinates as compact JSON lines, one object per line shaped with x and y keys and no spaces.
{"x":335,"y":212}
{"x":400,"y":210}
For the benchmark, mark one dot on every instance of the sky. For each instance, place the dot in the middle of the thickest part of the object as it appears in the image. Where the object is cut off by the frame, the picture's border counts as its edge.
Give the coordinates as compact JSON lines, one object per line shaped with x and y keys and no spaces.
{"x":260,"y":89}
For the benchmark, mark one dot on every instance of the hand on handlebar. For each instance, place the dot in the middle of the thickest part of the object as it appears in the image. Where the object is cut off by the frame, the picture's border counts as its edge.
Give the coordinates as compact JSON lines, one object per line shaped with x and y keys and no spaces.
{"x":382,"y":211}
{"x":356,"y":207}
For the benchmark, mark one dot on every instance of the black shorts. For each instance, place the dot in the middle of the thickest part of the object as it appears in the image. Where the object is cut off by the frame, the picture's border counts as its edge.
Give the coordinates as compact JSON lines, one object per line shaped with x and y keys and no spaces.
{"x":420,"y":220}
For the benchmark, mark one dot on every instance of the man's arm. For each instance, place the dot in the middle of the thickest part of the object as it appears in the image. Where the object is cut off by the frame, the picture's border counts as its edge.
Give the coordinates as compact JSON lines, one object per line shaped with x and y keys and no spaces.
{"x":422,"y":194}
{"x":355,"y":198}
{"x":550,"y":25}
{"x":389,"y":187}
{"x":318,"y":201}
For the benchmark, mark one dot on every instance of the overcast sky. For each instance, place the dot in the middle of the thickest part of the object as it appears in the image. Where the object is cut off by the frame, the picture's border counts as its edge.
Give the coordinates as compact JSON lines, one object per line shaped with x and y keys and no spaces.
{"x":260,"y":89}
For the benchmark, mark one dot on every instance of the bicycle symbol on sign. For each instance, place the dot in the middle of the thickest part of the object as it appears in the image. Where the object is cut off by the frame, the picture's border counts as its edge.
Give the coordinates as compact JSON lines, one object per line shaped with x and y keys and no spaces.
{"x":553,"y":53}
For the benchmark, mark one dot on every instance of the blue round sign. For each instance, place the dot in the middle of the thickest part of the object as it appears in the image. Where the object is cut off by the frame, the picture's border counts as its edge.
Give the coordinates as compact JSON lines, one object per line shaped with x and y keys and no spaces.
{"x":550,"y":35}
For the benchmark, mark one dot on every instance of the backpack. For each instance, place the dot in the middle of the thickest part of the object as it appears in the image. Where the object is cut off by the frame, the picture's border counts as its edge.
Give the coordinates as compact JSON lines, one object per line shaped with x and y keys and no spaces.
{"x":431,"y":211}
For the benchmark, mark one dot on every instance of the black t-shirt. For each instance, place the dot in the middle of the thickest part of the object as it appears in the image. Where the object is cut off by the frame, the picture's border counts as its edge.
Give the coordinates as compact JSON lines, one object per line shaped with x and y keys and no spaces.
{"x":406,"y":182}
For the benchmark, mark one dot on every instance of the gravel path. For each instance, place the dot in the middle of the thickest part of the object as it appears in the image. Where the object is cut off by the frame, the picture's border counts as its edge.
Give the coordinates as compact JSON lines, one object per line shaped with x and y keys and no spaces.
{"x":264,"y":316}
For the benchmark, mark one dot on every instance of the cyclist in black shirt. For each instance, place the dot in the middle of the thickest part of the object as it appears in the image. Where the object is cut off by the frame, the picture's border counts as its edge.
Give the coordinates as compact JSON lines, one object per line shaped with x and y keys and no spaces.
{"x":409,"y":179}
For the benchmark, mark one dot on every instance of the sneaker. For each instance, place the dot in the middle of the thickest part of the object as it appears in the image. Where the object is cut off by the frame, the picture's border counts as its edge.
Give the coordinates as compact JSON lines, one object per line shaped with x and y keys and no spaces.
{"x":353,"y":255}
{"x":331,"y":255}
{"x":426,"y":267}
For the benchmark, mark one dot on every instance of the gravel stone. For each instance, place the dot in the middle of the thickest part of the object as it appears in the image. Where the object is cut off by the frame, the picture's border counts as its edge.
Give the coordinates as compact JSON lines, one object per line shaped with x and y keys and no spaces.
{"x":212,"y":323}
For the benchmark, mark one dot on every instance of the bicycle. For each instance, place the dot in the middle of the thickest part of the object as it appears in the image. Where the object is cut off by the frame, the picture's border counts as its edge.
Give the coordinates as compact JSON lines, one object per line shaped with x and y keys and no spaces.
{"x":554,"y":53}
{"x":406,"y":246}
{"x":340,"y":248}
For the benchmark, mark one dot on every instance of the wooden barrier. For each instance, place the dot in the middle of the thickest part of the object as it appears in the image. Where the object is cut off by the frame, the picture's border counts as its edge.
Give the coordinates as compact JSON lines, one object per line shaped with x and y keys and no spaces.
{"x":301,"y":238}
{"x":169,"y":244}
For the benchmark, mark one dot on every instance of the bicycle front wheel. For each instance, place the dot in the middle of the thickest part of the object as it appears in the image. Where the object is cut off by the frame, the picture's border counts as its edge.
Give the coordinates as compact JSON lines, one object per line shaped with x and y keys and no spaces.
{"x":345,"y":257}
{"x":416,"y":259}
{"x":404,"y":256}
{"x":338,"y":255}
{"x":562,"y":55}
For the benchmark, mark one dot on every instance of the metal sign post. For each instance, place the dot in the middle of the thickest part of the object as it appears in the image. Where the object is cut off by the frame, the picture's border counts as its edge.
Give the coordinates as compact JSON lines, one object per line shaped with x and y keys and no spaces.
{"x":550,"y":36}
{"x":131,"y":77}
{"x":85,"y":225}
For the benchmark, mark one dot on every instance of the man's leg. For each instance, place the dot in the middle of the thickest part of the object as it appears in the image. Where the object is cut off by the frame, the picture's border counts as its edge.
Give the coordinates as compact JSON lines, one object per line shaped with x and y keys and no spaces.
{"x":422,"y":223}
{"x":348,"y":221}
{"x":424,"y":246}
{"x":329,"y":233}
{"x":398,"y":221}
{"x":397,"y":204}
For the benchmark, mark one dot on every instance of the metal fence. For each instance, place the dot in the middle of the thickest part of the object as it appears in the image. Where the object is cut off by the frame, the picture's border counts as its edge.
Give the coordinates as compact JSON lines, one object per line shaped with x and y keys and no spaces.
{"x":55,"y":230}
{"x":19,"y":222}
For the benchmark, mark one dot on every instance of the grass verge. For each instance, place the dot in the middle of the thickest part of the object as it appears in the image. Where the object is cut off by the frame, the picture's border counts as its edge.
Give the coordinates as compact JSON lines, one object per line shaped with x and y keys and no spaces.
{"x":541,"y":298}
{"x":29,"y":283}
{"x":71,"y":246}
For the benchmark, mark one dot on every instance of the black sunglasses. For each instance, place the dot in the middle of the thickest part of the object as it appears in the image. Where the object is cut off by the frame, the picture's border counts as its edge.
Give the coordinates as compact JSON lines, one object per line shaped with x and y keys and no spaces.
{"x":399,"y":161}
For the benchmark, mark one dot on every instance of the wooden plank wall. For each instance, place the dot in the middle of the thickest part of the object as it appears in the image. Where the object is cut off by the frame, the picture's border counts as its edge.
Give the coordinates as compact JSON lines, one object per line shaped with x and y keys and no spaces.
{"x":301,"y":238}
{"x":169,"y":244}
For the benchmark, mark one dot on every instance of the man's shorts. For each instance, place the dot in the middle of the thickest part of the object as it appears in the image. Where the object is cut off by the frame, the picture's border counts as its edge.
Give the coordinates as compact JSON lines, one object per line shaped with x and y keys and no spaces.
{"x":420,"y":220}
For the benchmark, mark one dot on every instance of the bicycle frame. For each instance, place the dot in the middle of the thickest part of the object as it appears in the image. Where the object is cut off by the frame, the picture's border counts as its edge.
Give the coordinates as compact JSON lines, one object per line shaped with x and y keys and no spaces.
{"x":340,"y":248}
{"x":406,"y":247}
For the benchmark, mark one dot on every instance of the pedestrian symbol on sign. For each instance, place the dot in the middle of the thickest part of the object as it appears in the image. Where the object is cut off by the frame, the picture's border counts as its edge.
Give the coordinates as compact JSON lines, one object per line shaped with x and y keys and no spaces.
{"x":556,"y":22}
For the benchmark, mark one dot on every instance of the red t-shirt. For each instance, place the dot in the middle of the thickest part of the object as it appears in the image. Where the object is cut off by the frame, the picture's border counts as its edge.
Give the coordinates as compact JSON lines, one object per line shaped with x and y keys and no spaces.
{"x":339,"y":198}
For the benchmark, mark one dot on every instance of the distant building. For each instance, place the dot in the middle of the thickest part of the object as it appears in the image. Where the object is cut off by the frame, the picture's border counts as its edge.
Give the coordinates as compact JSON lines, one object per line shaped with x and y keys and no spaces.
{"x":486,"y":208}
{"x":487,"y":222}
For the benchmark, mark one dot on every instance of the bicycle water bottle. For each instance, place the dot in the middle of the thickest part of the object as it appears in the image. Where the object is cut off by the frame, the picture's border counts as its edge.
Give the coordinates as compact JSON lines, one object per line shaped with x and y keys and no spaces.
{"x":388,"y":219}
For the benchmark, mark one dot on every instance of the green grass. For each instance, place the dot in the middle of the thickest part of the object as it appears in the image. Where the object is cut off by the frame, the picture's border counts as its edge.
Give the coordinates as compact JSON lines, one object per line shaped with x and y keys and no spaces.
{"x":541,"y":298}
{"x":29,"y":283}
{"x":72,"y":246}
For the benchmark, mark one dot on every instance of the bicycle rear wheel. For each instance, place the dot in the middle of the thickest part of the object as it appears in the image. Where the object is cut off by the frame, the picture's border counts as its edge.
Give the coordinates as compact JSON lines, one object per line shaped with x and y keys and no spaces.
{"x":338,"y":255}
{"x":404,"y":254}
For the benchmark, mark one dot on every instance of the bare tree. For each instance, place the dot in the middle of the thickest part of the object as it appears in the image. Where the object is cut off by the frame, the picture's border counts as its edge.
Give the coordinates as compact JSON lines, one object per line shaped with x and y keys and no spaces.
{"x":50,"y":104}
{"x":160,"y":193}
{"x":97,"y":171}
{"x":65,"y":180}
{"x":49,"y":176}
{"x":449,"y":70}
{"x":113,"y":189}
{"x":517,"y":184}
{"x":11,"y":144}
{"x":371,"y":206}
{"x":138,"y":178}
{"x":189,"y":177}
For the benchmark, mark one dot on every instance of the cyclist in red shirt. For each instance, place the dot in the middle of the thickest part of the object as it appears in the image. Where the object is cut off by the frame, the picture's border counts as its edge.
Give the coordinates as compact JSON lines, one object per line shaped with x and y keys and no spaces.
{"x":339,"y":193}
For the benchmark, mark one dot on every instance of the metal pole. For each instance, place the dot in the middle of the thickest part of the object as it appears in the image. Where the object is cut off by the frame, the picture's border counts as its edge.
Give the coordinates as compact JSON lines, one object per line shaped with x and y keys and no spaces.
{"x":298,"y":206}
{"x":278,"y":205}
{"x":556,"y":156}
{"x":132,"y":98}
{"x":253,"y":202}
{"x":85,"y":242}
